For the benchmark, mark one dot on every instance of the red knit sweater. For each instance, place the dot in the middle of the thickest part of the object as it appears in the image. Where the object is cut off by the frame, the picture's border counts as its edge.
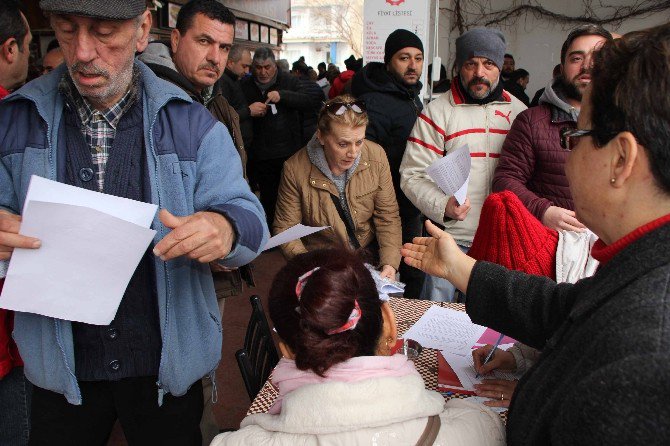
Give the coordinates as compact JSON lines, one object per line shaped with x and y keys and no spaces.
{"x":604,"y":253}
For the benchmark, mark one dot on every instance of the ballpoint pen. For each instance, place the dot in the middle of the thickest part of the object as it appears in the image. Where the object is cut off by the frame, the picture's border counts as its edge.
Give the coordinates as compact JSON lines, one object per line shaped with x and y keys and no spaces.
{"x":490,"y":355}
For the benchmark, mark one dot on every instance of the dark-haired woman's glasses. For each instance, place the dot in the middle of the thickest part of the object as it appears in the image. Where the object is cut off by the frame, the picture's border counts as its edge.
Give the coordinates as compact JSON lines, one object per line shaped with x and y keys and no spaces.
{"x":567,"y":134}
{"x":338,"y":108}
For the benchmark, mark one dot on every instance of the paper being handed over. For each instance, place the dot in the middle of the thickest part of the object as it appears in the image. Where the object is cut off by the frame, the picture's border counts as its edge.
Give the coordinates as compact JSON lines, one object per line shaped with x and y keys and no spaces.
{"x":87,"y":257}
{"x":452,"y":173}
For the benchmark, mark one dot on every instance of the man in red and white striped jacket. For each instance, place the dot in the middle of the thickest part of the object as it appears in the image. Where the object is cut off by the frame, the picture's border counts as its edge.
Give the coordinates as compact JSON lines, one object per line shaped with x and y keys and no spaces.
{"x":477,"y":112}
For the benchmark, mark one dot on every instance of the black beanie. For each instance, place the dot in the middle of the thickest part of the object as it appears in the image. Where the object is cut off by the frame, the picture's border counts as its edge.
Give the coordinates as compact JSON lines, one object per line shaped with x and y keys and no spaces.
{"x":399,"y":39}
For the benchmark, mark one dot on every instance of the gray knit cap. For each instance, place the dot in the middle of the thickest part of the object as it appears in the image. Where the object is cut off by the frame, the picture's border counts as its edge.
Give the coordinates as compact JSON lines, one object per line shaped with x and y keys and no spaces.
{"x":481,"y":42}
{"x":99,"y":9}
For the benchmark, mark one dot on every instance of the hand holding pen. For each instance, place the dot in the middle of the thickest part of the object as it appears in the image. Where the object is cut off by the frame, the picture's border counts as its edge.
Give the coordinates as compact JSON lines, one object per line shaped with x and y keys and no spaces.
{"x":492,"y":359}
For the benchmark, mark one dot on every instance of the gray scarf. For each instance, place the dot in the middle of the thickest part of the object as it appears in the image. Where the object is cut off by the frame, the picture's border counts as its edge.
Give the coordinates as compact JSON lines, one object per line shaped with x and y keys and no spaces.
{"x":318,"y":158}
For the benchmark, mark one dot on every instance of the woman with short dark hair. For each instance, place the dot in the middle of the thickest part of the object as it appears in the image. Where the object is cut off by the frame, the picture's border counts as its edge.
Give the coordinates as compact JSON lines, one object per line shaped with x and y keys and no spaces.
{"x":338,"y":382}
{"x":603,"y":375}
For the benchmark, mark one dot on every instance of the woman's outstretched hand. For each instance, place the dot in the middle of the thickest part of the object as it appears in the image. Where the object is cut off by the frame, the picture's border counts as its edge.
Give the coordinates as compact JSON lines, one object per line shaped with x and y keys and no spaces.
{"x":440,"y":256}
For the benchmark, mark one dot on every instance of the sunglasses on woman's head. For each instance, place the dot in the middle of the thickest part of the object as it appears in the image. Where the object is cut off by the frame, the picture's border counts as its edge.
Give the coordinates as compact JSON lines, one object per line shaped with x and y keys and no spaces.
{"x":338,"y":108}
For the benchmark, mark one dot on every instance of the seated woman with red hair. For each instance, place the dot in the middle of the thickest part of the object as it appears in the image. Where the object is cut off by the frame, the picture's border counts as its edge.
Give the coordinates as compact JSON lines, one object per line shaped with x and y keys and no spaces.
{"x":338,"y":382}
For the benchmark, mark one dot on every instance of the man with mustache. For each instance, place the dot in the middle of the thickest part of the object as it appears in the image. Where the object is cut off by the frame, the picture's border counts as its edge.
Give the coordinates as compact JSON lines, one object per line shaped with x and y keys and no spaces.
{"x":532,"y":160}
{"x":104,"y":122}
{"x":391,"y":94}
{"x":477,"y":112}
{"x":194,"y":60}
{"x":276,"y":101}
{"x":196,"y":57}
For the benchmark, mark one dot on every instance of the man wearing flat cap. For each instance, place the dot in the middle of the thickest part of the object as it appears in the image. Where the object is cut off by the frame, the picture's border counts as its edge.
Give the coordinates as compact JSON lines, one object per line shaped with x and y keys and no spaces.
{"x":477,"y":112}
{"x":105,"y":122}
{"x":391,"y":94}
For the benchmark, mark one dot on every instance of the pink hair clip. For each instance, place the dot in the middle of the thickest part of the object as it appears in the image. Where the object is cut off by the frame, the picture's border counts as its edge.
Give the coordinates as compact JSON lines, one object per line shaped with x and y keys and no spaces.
{"x":351,"y":323}
{"x":302,"y":281}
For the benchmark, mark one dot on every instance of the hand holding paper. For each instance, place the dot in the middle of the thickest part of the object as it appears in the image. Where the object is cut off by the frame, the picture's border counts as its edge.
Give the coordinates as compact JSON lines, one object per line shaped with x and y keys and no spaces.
{"x":456,"y":211}
{"x":452,"y":173}
{"x":10,"y":237}
{"x":91,"y":244}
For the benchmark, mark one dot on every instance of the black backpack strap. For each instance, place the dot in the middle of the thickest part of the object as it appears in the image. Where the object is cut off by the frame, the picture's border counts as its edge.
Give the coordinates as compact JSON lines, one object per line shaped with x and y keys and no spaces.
{"x":350,"y":230}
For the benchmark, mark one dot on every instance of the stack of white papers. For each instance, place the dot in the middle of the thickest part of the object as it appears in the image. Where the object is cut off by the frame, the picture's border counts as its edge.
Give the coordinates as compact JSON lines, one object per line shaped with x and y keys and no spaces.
{"x":91,"y":245}
{"x":446,"y":329}
{"x":385,"y":286}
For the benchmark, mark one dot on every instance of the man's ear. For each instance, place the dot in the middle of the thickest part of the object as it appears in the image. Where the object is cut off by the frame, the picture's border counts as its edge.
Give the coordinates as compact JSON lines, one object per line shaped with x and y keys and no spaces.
{"x":9,"y":49}
{"x":143,"y":31}
{"x":174,"y":40}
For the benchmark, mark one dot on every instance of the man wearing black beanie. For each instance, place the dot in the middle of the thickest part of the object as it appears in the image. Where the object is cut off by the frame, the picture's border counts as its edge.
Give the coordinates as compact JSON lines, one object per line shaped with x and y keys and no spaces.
{"x":391,"y":94}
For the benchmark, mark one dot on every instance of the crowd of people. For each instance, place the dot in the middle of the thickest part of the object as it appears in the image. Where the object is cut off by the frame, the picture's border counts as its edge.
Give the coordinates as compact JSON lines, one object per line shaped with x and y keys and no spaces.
{"x":558,"y":243}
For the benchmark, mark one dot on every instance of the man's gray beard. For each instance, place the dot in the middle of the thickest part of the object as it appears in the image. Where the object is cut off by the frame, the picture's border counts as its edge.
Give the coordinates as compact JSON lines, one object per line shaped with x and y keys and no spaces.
{"x":486,"y":95}
{"x":115,"y":88}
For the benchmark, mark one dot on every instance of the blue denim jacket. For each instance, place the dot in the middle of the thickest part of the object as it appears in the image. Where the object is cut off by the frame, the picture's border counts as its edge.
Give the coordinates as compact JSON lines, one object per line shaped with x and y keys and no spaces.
{"x":193,"y":166}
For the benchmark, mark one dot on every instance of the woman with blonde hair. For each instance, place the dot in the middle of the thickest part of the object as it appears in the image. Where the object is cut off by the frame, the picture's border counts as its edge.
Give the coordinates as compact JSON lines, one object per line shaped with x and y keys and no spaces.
{"x":343,"y":181}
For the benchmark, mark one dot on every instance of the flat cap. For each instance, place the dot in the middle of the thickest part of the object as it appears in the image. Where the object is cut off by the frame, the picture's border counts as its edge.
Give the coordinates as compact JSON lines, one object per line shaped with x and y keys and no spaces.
{"x":99,"y":9}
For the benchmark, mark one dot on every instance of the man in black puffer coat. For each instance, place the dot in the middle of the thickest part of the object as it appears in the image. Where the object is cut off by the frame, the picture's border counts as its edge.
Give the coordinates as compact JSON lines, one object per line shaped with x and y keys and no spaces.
{"x":391,"y":94}
{"x":275,"y":102}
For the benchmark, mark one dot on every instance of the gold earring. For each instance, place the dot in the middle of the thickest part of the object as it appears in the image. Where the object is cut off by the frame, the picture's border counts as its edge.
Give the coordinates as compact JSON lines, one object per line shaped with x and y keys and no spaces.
{"x":613,"y":180}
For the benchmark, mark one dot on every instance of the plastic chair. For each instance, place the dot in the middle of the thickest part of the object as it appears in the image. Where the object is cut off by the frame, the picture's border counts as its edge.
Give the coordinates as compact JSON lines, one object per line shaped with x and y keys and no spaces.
{"x":259,"y":355}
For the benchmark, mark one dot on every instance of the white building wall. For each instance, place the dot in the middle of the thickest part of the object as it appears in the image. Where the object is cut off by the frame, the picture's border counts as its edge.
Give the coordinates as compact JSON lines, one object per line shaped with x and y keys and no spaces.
{"x":536,"y":43}
{"x":315,"y":53}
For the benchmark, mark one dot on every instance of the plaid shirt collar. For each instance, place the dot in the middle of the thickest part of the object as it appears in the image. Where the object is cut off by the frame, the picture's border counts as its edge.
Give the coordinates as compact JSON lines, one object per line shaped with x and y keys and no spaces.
{"x":86,"y":111}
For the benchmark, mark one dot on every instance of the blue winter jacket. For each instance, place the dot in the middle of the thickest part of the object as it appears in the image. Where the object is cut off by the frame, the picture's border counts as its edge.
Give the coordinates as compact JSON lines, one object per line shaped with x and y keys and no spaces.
{"x":193,"y":166}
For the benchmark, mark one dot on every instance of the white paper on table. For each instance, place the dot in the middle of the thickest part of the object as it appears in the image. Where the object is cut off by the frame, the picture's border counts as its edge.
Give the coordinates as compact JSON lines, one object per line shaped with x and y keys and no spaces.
{"x":501,"y":346}
{"x":41,"y":189}
{"x":481,"y":400}
{"x":83,"y":267}
{"x":292,"y":233}
{"x":446,"y":329}
{"x":464,"y":368}
{"x":452,"y":173}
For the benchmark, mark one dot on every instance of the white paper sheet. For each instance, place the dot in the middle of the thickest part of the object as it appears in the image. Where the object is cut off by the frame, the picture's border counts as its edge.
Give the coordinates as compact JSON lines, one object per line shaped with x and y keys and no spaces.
{"x":83,"y":267}
{"x":41,"y":189}
{"x":452,"y":173}
{"x":292,"y":233}
{"x":446,"y":329}
{"x":464,"y":368}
